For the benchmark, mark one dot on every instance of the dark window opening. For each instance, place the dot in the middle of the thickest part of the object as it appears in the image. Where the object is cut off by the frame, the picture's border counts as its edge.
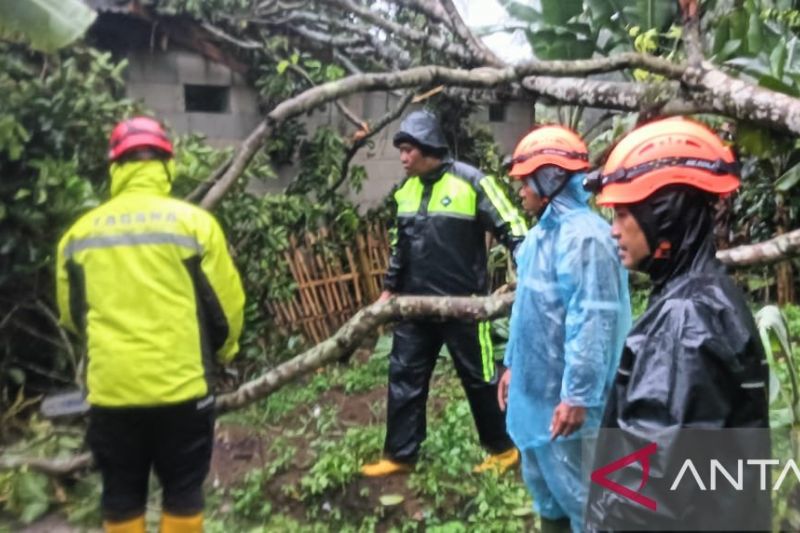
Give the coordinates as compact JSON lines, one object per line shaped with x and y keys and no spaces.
{"x":497,"y":112}
{"x":206,"y":98}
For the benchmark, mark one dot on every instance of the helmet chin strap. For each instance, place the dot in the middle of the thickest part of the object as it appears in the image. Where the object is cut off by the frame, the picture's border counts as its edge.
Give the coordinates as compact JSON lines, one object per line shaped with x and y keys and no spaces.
{"x":534,"y":183}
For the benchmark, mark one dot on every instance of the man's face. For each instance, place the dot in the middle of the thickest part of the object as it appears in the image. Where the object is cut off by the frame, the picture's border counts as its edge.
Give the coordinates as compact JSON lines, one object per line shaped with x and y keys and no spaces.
{"x":414,"y":162}
{"x":631,"y":240}
{"x":531,"y":202}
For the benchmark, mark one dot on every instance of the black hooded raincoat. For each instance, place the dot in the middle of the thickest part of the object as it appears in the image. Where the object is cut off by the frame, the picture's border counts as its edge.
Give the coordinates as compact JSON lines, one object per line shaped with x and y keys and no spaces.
{"x":693,"y":361}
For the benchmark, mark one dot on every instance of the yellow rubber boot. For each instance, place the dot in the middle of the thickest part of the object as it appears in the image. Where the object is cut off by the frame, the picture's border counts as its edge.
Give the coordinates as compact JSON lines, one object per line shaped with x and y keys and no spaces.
{"x":171,"y":523}
{"x":384,"y":467}
{"x":499,"y":462}
{"x":134,"y":525}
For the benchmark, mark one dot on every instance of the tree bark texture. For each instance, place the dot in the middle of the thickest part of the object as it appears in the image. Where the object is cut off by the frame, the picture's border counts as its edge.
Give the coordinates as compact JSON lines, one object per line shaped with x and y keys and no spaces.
{"x":361,"y":325}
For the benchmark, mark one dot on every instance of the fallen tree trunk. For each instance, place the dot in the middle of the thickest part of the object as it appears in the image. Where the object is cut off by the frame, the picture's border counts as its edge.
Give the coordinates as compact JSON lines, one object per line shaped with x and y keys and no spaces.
{"x":367,"y":320}
{"x":52,"y":467}
{"x":763,"y":253}
{"x":359,"y":326}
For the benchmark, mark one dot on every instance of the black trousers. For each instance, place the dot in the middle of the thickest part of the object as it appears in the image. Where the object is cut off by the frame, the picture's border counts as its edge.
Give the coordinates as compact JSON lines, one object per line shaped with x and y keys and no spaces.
{"x":174,"y":440}
{"x":415,"y":346}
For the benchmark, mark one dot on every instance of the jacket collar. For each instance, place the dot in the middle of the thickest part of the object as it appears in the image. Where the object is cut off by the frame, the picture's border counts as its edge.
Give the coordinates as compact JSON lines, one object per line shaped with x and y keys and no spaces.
{"x":152,"y":176}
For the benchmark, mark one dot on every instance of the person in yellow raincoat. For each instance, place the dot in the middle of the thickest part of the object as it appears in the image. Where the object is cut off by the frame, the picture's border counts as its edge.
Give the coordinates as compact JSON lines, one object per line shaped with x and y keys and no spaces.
{"x":147,"y":281}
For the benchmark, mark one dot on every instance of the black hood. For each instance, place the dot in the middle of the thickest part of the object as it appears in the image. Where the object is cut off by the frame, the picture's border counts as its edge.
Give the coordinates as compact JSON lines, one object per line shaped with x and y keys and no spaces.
{"x":421,"y":128}
{"x":678,"y":224}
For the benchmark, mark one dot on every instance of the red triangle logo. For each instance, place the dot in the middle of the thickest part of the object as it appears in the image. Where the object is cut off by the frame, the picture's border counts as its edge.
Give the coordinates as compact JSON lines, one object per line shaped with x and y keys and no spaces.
{"x":639,"y":456}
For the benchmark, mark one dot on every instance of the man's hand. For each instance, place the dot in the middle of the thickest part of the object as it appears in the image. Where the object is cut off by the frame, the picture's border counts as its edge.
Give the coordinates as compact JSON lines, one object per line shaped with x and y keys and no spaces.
{"x":385,"y":295}
{"x":502,"y":389}
{"x":567,"y":419}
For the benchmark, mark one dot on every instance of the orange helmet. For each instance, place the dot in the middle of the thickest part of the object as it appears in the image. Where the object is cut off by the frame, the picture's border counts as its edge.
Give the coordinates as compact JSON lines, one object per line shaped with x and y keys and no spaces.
{"x":549,"y":145}
{"x":665,"y":152}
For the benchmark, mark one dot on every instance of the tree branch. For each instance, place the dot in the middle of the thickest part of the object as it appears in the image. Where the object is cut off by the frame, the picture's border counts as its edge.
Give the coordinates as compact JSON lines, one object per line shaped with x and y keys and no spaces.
{"x":345,"y":340}
{"x":203,"y":187}
{"x":354,"y":330}
{"x":52,"y":467}
{"x":62,"y":334}
{"x":740,"y":99}
{"x":369,"y":131}
{"x":454,"y":50}
{"x":346,"y":62}
{"x":476,"y":46}
{"x":664,"y":97}
{"x":346,"y":111}
{"x":420,"y":76}
{"x":246,"y":44}
{"x":777,"y":249}
{"x":325,"y":39}
{"x":430,"y":8}
{"x":691,"y":32}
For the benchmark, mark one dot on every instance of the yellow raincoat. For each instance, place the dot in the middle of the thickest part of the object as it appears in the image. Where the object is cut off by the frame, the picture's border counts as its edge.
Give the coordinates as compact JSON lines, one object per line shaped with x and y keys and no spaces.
{"x":148,"y":280}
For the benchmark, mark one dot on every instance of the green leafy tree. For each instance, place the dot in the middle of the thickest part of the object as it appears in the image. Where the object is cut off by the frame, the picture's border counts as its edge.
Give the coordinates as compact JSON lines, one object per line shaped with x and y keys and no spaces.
{"x":56,"y":114}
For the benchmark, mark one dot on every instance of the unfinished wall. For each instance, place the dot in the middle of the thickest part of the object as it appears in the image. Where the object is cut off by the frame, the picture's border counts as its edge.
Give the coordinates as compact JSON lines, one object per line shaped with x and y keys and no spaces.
{"x":160,"y":80}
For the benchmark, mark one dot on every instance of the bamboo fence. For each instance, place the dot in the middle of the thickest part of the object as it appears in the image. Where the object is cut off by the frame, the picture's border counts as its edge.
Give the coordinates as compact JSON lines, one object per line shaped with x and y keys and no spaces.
{"x":334,"y":283}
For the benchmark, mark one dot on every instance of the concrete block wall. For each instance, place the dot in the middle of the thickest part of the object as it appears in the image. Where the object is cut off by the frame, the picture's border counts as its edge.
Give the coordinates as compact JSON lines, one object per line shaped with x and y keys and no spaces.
{"x":157,"y":79}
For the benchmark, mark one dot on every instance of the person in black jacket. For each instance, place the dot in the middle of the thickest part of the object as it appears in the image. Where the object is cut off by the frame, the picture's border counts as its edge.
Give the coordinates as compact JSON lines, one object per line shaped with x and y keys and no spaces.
{"x":444,"y":209}
{"x":692,"y":380}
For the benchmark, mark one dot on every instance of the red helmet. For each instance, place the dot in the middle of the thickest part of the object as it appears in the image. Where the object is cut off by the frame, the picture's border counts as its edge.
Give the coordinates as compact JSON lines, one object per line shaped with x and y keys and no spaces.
{"x":665,"y":152}
{"x":549,"y":145}
{"x":136,"y":133}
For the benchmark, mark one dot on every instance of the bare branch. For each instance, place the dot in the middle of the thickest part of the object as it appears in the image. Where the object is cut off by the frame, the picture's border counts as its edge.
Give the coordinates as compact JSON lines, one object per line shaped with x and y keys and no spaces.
{"x":324,"y":38}
{"x":777,"y":249}
{"x":691,"y":32}
{"x":430,"y":8}
{"x":346,"y":62}
{"x":369,"y":131}
{"x":62,"y":334}
{"x":623,"y":96}
{"x":476,"y":46}
{"x":246,"y":44}
{"x":354,"y":330}
{"x":348,"y":114}
{"x":740,"y":99}
{"x":203,"y":187}
{"x":52,"y":467}
{"x":452,"y":49}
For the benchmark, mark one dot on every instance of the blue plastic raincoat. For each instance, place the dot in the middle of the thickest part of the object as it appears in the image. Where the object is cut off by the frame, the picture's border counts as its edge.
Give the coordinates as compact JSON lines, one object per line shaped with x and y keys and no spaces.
{"x":569,"y":321}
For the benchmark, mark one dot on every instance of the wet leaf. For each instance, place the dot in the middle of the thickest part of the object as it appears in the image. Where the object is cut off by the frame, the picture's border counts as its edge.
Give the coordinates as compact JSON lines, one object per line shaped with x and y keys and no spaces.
{"x":388,"y":500}
{"x":522,"y":511}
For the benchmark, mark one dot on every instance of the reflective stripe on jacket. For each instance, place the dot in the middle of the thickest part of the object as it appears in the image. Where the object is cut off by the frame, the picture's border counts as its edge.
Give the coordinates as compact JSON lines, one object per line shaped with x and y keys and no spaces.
{"x":148,"y":280}
{"x":438,"y":246}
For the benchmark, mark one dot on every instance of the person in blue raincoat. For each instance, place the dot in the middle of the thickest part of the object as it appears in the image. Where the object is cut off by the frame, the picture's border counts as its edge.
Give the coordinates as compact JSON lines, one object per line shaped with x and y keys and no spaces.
{"x":570,"y":317}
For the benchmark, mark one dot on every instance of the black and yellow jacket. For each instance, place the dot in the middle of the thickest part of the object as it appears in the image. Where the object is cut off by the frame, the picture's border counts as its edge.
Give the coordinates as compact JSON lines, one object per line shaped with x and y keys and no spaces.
{"x":147,"y":279}
{"x":439,"y":247}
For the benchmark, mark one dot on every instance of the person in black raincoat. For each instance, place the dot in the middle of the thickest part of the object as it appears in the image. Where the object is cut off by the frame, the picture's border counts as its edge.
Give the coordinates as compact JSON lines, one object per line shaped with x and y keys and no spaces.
{"x":692,"y":378}
{"x":444,"y":209}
